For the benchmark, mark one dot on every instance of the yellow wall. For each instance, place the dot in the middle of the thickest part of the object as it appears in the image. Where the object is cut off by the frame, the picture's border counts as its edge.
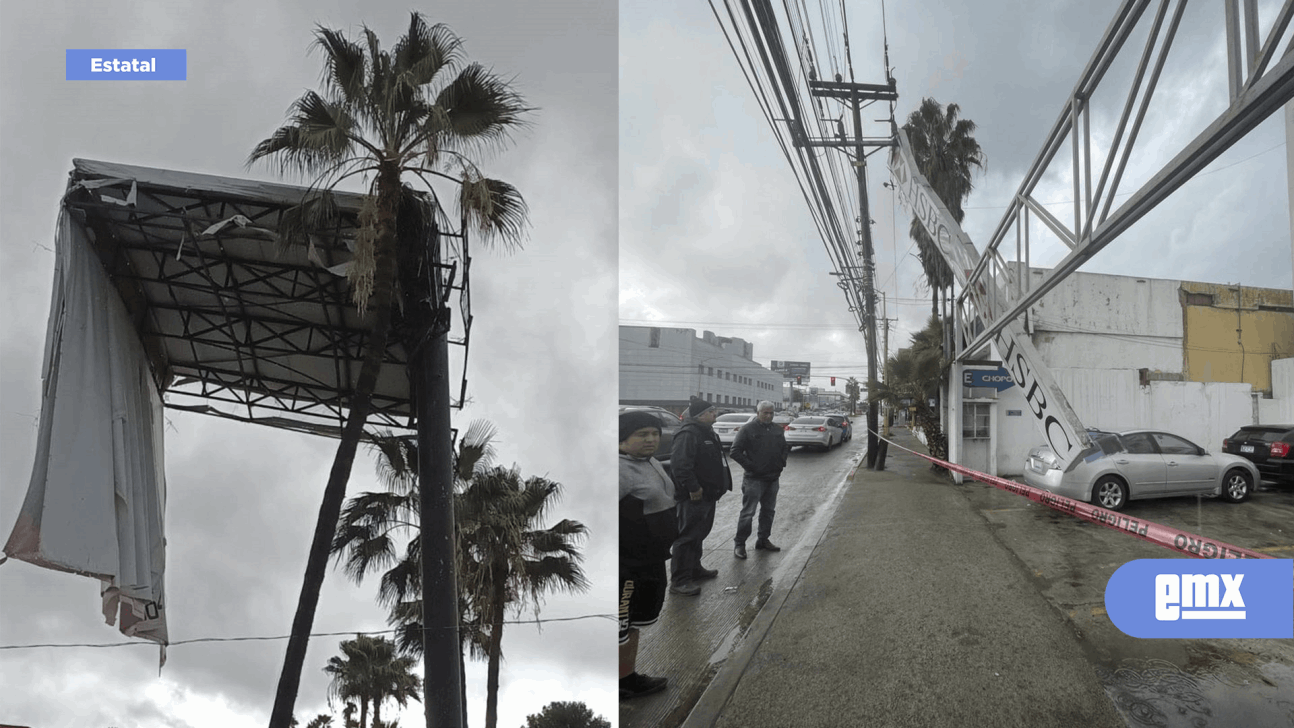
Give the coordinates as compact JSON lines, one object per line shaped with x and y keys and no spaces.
{"x":1212,"y":345}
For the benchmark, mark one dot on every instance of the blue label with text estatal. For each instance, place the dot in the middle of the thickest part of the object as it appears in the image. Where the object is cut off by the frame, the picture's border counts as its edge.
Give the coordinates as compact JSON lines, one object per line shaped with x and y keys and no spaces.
{"x":127,"y":64}
{"x":1213,"y":598}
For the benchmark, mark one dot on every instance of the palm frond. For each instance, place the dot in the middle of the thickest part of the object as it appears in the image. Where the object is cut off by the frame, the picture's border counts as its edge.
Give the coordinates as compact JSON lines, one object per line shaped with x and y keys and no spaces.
{"x":495,"y":209}
{"x":345,"y":69}
{"x":401,"y":582}
{"x":424,"y":50}
{"x":482,"y":108}
{"x":475,"y":448}
{"x":318,"y":133}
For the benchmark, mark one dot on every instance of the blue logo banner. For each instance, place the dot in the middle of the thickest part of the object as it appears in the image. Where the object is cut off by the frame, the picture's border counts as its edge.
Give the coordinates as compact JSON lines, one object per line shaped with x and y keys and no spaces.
{"x":998,"y":379}
{"x":127,"y":64}
{"x":1213,"y":598}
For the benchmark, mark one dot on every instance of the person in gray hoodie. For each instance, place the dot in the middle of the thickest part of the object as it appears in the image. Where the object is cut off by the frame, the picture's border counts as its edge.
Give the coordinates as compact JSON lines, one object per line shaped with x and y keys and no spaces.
{"x":647,"y":530}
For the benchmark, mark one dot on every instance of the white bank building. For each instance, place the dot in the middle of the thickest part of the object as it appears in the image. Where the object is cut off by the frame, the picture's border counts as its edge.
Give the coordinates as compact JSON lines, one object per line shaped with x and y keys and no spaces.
{"x":1196,"y":359}
{"x":666,"y":367}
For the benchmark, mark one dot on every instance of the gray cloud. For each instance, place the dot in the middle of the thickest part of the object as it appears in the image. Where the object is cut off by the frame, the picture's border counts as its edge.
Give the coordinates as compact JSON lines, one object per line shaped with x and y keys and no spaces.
{"x":1009,"y":65}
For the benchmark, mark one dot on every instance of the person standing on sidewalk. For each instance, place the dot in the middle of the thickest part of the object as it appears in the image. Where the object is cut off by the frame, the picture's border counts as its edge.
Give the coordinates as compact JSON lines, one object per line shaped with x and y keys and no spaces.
{"x":760,"y":448}
{"x":647,"y":530}
{"x":701,"y":475}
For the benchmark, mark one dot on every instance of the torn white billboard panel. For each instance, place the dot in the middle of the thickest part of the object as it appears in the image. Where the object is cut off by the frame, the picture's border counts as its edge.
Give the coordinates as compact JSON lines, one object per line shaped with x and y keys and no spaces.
{"x":97,"y":496}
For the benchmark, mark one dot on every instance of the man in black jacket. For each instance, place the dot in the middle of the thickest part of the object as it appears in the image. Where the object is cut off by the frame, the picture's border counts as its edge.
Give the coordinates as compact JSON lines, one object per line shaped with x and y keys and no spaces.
{"x":760,"y":448}
{"x":701,"y":477}
{"x":647,"y":531}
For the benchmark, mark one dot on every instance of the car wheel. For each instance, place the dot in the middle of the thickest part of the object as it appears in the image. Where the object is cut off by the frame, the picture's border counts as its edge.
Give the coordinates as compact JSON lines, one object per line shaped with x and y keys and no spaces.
{"x":1110,"y":493}
{"x":1237,"y":486}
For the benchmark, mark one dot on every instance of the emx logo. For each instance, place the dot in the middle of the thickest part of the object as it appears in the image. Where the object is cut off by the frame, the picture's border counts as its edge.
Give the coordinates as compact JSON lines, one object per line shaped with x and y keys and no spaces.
{"x":1195,"y":596}
{"x":1187,"y":598}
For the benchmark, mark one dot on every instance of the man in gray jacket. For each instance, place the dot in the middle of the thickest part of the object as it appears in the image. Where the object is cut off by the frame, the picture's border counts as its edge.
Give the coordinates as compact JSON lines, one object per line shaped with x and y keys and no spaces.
{"x":760,"y":448}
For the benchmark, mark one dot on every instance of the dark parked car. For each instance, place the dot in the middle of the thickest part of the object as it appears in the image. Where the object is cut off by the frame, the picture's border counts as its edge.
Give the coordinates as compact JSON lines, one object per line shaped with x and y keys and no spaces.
{"x":669,"y":424}
{"x":1269,"y":447}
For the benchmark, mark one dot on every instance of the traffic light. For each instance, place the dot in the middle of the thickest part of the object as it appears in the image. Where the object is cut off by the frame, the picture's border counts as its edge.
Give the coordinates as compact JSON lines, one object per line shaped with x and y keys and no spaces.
{"x":797,"y":379}
{"x":833,"y":381}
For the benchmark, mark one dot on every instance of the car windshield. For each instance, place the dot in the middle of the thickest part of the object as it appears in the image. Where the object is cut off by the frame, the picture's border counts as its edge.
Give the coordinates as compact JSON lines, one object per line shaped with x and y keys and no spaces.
{"x":809,"y":421}
{"x":733,"y":418}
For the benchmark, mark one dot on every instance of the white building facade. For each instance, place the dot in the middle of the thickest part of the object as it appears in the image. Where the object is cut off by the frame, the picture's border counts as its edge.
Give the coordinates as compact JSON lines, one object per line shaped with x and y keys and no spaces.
{"x":1138,"y":353}
{"x":665,"y":367}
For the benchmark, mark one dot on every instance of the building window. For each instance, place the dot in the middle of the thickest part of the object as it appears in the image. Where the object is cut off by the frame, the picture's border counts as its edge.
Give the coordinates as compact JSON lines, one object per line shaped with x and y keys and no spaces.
{"x":700,"y":369}
{"x":727,"y":376}
{"x":709,"y":371}
{"x":975,"y":420}
{"x":655,"y":338}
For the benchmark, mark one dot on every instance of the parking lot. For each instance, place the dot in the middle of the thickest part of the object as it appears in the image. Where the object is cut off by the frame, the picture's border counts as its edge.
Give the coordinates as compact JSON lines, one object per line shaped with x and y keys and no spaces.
{"x":1156,"y":682}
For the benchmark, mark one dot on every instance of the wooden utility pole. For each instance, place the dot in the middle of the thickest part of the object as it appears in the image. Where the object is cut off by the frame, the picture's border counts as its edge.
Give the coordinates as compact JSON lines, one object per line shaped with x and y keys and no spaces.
{"x":855,"y":94}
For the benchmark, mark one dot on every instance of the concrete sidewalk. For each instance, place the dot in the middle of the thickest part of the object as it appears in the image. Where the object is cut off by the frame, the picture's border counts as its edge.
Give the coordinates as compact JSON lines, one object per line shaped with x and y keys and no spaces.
{"x":910,"y":613}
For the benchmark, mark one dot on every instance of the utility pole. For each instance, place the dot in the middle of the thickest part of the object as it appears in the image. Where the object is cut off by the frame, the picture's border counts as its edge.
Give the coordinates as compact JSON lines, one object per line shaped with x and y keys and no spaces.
{"x":855,"y":94}
{"x":886,"y":338}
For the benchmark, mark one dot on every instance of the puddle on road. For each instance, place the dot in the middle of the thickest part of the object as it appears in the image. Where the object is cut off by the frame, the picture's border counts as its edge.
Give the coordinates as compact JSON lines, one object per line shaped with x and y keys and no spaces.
{"x":1217,"y":692}
{"x":721,"y":653}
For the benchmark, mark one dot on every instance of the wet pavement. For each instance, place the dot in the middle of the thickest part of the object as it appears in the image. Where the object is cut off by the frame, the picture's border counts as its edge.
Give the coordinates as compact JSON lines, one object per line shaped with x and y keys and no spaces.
{"x":695,"y":635}
{"x":904,"y":600}
{"x":1161,"y":683}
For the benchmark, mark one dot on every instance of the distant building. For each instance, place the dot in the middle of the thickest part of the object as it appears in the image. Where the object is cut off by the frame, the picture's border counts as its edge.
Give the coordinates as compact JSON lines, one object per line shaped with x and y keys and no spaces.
{"x":665,"y":367}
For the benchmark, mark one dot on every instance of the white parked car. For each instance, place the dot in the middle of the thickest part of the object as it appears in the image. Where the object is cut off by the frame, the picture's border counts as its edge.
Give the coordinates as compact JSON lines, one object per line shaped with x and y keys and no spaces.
{"x":814,"y":432}
{"x":726,"y":426}
{"x":1137,"y":464}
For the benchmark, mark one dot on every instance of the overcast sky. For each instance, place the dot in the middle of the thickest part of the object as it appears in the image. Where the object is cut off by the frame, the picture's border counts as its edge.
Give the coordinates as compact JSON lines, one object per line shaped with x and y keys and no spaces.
{"x":715,"y":234}
{"x":243,"y":499}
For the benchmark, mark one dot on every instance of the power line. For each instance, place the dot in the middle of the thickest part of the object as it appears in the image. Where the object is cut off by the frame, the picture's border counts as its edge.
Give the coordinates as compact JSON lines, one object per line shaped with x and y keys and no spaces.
{"x":283,"y":637}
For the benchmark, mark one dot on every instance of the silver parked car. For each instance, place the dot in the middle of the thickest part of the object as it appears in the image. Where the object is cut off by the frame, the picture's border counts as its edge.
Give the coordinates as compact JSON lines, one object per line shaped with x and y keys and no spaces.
{"x":820,"y":432}
{"x":726,"y":426}
{"x":1137,"y":464}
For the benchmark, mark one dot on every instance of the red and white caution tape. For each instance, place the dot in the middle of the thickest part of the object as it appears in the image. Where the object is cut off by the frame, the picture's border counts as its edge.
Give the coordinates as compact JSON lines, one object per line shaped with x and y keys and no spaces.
{"x":1171,"y":538}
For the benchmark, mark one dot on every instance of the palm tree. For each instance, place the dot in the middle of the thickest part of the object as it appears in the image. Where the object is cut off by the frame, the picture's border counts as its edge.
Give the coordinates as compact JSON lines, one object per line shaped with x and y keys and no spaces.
{"x":945,"y":152}
{"x":372,"y":524}
{"x":915,"y":373}
{"x":371,"y":671}
{"x":505,"y":560}
{"x":415,"y":110}
{"x":511,"y":562}
{"x":853,"y":390}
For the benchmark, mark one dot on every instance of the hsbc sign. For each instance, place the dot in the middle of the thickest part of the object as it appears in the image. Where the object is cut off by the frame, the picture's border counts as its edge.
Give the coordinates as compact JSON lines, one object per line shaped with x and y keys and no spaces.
{"x":1052,"y":414}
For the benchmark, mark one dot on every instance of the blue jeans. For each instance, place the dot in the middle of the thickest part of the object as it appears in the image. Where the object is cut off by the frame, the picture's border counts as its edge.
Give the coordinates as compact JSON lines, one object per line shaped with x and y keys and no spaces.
{"x":761,"y":494}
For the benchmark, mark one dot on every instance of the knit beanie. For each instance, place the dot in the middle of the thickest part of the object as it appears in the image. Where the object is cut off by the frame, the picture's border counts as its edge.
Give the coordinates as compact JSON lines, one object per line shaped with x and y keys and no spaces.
{"x":634,"y":420}
{"x":698,"y":406}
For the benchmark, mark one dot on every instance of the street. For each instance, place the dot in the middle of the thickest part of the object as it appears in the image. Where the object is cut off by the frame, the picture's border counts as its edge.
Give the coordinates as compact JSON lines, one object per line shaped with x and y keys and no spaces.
{"x":695,"y":634}
{"x":901,"y":599}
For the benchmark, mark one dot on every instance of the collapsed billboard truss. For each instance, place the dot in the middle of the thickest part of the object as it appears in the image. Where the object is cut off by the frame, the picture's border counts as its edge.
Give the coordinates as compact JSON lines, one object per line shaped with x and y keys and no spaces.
{"x":234,"y":324}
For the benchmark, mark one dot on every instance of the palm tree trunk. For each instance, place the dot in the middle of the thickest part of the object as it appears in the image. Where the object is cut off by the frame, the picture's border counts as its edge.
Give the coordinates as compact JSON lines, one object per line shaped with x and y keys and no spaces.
{"x":363,"y":712}
{"x":496,"y":651}
{"x":335,"y":491}
{"x":377,"y":711}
